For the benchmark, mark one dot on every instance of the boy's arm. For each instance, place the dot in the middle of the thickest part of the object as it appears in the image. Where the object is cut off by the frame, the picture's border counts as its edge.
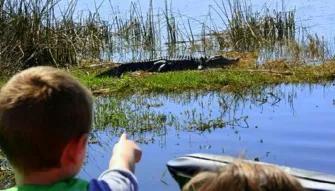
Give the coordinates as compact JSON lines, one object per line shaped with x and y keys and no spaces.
{"x":120,"y":175}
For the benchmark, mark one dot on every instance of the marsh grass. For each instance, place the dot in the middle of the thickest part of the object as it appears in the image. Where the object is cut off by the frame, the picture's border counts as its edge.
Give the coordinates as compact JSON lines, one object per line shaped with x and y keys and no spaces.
{"x":31,"y":34}
{"x":249,"y":30}
{"x":38,"y":33}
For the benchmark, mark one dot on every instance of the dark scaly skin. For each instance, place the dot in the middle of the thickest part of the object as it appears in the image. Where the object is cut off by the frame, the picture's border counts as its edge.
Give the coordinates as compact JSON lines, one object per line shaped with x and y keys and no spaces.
{"x":166,"y":65}
{"x":129,"y":67}
{"x":179,"y":65}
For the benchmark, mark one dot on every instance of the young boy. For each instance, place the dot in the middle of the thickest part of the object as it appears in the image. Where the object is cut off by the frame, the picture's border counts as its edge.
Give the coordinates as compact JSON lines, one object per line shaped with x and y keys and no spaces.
{"x":45,"y":119}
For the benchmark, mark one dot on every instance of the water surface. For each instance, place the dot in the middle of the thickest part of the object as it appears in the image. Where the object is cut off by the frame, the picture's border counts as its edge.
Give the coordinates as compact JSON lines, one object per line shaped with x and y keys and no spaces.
{"x":289,"y":125}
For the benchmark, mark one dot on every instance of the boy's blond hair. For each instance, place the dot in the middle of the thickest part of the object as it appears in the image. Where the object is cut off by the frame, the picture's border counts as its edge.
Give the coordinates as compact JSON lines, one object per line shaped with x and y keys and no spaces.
{"x":41,"y":110}
{"x":244,"y":176}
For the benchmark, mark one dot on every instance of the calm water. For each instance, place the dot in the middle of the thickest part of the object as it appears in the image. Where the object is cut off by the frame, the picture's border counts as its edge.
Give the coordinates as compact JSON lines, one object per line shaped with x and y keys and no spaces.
{"x":290,"y":125}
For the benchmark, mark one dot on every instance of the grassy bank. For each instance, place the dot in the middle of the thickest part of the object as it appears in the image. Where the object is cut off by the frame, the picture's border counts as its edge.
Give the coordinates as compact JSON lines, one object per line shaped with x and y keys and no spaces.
{"x":236,"y":79}
{"x":230,"y":80}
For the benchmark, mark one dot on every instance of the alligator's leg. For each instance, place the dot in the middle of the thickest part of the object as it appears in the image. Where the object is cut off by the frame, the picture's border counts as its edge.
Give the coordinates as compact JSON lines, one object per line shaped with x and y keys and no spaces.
{"x":163,"y":68}
{"x":166,"y":67}
{"x":157,"y":65}
{"x":201,"y":63}
{"x":200,"y":67}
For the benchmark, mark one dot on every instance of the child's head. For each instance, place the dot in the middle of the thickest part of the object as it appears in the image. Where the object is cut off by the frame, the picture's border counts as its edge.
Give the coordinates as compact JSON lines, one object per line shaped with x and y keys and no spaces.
{"x":42,"y":110}
{"x":242,"y":176}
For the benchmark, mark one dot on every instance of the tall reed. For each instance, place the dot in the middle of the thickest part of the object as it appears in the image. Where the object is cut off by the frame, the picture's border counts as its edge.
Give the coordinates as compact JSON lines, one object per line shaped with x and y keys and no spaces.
{"x":31,"y":34}
{"x":248,"y":30}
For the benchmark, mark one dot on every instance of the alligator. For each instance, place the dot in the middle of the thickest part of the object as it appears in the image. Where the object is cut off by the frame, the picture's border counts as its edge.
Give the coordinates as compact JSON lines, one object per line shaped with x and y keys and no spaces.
{"x":166,"y":65}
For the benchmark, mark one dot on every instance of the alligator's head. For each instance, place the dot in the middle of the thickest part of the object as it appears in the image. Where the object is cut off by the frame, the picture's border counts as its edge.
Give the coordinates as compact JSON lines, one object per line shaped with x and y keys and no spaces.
{"x":221,"y":60}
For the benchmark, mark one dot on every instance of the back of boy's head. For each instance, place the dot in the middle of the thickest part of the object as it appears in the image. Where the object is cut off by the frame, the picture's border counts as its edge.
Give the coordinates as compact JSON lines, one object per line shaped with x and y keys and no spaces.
{"x":41,"y":110}
{"x":244,"y":176}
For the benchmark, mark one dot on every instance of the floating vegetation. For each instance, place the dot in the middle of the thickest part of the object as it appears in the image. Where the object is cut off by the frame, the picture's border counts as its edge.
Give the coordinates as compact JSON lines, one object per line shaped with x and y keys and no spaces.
{"x":201,"y":126}
{"x":150,"y":117}
{"x":141,"y":114}
{"x":131,"y":116}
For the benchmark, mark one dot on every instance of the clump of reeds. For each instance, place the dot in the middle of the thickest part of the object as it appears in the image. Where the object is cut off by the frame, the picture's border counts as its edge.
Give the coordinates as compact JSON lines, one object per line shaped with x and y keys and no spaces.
{"x":32,"y":34}
{"x":312,"y":48}
{"x":171,"y":29}
{"x":247,"y":30}
{"x":316,"y":47}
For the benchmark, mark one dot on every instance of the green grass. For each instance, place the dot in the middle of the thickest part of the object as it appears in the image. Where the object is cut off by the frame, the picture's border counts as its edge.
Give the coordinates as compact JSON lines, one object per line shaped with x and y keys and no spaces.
{"x":231,"y":80}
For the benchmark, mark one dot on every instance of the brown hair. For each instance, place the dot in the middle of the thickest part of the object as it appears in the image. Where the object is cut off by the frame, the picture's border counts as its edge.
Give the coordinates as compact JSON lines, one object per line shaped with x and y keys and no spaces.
{"x":244,"y":176}
{"x":41,"y":110}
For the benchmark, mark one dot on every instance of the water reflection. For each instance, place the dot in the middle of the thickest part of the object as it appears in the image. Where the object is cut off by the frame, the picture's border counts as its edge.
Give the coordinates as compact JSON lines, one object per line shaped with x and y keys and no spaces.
{"x":286,"y":124}
{"x":188,"y":111}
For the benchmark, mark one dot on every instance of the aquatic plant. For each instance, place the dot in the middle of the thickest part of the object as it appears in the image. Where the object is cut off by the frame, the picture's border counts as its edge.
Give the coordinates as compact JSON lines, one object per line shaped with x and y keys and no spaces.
{"x":248,"y":30}
{"x":134,"y":116}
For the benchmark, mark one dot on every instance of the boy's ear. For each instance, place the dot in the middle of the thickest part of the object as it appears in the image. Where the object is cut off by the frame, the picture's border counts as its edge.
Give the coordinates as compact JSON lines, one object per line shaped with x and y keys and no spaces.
{"x":74,"y":151}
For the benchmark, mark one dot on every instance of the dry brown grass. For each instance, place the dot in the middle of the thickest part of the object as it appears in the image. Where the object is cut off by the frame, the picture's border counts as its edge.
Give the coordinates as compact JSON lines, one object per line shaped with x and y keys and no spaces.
{"x":279,"y":65}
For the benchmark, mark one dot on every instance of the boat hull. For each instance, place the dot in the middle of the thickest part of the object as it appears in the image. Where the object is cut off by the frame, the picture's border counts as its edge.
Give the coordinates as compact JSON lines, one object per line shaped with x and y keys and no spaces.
{"x":184,"y":168}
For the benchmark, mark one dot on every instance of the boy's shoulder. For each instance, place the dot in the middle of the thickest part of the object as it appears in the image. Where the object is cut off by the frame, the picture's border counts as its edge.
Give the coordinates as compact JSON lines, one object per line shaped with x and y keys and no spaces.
{"x":67,"y":185}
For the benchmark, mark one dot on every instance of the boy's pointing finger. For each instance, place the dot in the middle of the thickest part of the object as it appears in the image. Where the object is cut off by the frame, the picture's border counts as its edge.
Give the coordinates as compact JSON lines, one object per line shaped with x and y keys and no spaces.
{"x":123,"y":137}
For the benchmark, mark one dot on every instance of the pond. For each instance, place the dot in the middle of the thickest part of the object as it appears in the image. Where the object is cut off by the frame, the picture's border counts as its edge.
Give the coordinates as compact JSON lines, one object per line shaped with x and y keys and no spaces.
{"x":287,"y":124}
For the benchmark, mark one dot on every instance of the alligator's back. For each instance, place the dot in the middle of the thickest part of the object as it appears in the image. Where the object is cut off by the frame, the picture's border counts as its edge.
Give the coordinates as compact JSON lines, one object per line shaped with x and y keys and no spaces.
{"x":128,"y":67}
{"x":135,"y":66}
{"x":184,"y":64}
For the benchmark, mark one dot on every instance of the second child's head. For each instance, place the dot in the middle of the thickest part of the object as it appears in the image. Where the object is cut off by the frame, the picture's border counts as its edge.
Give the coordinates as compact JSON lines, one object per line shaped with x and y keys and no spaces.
{"x":242,"y":176}
{"x":45,"y":116}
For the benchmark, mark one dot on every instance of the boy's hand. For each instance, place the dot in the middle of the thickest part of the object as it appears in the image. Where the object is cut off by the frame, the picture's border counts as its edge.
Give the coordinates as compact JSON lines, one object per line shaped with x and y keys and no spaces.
{"x":125,"y":154}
